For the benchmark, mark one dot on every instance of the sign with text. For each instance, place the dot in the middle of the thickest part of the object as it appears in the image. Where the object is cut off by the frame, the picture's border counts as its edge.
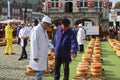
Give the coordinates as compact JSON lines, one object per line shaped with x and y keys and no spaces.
{"x":88,"y":23}
{"x":93,"y":30}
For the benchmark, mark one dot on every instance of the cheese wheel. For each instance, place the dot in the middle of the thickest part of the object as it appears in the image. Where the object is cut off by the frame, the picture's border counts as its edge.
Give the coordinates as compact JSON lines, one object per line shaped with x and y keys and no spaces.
{"x":83,"y":69}
{"x":81,"y":73}
{"x":78,"y":78}
{"x":96,"y":70}
{"x":96,"y":65}
{"x":30,"y":70}
{"x":96,"y":74}
{"x":83,"y":63}
{"x":94,"y":78}
{"x":47,"y":71}
{"x":96,"y":56}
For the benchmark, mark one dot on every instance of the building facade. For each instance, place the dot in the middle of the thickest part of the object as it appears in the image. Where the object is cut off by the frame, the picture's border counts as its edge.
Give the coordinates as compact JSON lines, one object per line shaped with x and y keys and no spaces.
{"x":15,"y":10}
{"x":79,"y":11}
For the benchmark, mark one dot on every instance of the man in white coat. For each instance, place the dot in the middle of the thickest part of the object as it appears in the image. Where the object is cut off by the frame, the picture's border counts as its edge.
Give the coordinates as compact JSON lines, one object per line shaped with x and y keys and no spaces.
{"x":23,"y":34}
{"x":39,"y":45}
{"x":81,"y":37}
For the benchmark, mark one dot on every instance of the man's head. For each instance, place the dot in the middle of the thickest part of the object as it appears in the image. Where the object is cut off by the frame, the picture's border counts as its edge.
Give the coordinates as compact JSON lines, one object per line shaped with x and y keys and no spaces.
{"x":80,"y":25}
{"x":46,"y":21}
{"x":65,"y":24}
{"x":10,"y":24}
{"x":22,"y":24}
{"x":35,"y":22}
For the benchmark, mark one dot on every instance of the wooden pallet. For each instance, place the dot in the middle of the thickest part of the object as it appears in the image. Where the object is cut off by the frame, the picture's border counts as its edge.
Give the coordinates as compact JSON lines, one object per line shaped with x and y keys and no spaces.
{"x":33,"y":74}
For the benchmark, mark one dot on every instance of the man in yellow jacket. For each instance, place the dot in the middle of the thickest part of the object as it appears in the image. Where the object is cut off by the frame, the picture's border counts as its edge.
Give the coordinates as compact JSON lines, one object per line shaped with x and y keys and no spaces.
{"x":8,"y":38}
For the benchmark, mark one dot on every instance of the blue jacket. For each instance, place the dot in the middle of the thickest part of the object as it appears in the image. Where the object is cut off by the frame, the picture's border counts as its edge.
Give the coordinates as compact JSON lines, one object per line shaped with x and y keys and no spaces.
{"x":65,"y":43}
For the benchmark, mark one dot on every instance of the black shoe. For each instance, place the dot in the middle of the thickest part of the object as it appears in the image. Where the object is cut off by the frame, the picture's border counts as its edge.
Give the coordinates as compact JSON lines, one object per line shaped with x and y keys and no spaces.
{"x":20,"y":58}
{"x":24,"y":57}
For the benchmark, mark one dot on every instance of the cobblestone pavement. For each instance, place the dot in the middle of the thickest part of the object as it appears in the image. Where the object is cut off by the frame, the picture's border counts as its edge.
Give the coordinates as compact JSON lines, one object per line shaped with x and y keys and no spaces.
{"x":11,"y":68}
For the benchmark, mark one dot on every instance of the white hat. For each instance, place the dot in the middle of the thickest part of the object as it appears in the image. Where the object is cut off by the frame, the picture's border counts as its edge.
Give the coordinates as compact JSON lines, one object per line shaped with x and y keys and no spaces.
{"x":79,"y":24}
{"x":22,"y":22}
{"x":46,"y":19}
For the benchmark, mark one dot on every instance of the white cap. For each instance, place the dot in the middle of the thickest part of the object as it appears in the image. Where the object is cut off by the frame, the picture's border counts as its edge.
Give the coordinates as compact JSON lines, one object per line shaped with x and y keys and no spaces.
{"x":46,"y":19}
{"x":79,"y":24}
{"x":22,"y":22}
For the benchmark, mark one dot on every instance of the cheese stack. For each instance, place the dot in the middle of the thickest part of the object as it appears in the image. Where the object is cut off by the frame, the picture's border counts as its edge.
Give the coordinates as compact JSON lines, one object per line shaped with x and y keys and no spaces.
{"x":82,"y":69}
{"x":96,"y":58}
{"x":96,"y":69}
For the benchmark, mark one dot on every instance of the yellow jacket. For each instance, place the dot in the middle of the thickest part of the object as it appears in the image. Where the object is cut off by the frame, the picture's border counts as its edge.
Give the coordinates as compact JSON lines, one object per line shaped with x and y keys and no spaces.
{"x":8,"y":32}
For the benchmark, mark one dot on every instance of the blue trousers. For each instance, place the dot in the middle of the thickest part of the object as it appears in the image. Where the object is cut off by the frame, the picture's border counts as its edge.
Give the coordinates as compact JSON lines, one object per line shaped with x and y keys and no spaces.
{"x":39,"y":75}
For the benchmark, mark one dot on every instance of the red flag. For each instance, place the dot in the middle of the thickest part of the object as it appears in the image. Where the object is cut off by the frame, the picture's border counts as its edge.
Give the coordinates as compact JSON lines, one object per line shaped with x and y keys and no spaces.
{"x":110,"y":5}
{"x":49,"y":5}
{"x":93,"y":3}
{"x":59,"y":4}
{"x":88,"y":4}
{"x":104,"y":3}
{"x":78,"y":3}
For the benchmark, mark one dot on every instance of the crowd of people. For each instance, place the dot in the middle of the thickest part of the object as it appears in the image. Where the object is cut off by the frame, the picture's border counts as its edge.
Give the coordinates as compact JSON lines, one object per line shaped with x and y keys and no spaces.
{"x":114,"y":32}
{"x":66,"y":42}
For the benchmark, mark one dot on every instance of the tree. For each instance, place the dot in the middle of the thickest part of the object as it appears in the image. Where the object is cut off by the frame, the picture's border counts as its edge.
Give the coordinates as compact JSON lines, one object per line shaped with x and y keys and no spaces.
{"x":117,"y":5}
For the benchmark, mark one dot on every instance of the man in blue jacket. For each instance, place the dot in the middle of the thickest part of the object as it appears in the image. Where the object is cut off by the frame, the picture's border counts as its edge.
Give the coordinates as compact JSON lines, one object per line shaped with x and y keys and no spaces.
{"x":64,"y":42}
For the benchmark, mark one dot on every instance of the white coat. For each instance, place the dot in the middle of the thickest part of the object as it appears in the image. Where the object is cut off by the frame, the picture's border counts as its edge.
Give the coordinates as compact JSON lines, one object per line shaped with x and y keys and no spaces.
{"x":38,"y":48}
{"x":23,"y":33}
{"x":81,"y":36}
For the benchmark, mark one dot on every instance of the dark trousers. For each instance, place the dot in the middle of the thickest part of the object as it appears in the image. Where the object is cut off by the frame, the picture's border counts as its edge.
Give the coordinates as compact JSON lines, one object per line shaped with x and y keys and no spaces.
{"x":58,"y":62}
{"x":18,"y":42}
{"x":81,"y":47}
{"x":24,"y":53}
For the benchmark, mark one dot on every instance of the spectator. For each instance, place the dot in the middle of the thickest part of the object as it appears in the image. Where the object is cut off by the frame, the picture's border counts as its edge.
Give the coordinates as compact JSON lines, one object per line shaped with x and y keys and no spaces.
{"x":8,"y":37}
{"x":64,"y":42}
{"x":18,"y":30}
{"x":81,"y":37}
{"x":35,"y":22}
{"x":118,"y":33}
{"x":23,"y":34}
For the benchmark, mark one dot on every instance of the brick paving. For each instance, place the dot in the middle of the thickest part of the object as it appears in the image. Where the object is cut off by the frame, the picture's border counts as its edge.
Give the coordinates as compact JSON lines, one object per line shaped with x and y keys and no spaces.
{"x":10,"y":67}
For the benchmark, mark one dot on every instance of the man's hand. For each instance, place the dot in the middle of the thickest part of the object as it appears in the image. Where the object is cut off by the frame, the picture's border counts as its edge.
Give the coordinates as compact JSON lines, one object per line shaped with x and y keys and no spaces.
{"x":27,"y":37}
{"x":73,"y":55}
{"x":52,"y":50}
{"x":4,"y":40}
{"x":23,"y":37}
{"x":35,"y":59}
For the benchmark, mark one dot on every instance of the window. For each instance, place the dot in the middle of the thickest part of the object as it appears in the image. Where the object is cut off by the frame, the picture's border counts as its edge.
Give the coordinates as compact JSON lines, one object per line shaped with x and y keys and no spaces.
{"x":86,"y":4}
{"x":54,"y":3}
{"x":96,"y":4}
{"x":3,"y":10}
{"x":100,"y":4}
{"x":13,"y":10}
{"x":81,"y":4}
{"x":57,"y":4}
{"x":18,"y":11}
